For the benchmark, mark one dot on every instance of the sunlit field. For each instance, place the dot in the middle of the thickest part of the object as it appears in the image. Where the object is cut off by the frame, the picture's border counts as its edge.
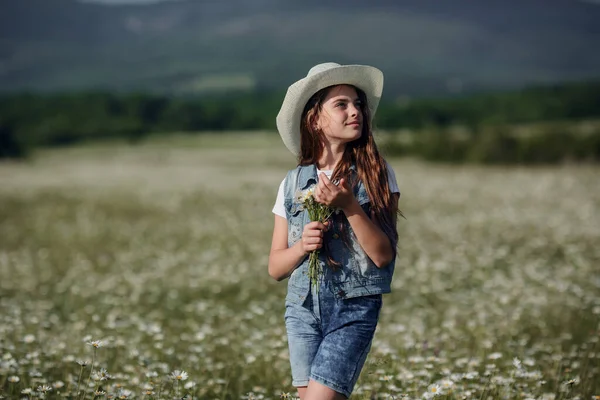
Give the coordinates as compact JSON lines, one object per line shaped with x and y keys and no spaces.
{"x":141,"y":272}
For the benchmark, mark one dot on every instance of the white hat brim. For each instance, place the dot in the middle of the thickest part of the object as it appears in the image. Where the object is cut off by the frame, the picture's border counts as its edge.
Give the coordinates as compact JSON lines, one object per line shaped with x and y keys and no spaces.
{"x":366,"y":78}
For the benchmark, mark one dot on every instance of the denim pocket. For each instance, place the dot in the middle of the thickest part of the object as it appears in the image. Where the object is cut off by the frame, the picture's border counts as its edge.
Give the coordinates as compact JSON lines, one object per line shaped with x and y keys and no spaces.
{"x":295,"y":221}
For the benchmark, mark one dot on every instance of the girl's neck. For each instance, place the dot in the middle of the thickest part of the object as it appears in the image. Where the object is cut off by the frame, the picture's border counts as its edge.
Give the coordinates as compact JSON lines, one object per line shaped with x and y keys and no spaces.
{"x":332,"y":154}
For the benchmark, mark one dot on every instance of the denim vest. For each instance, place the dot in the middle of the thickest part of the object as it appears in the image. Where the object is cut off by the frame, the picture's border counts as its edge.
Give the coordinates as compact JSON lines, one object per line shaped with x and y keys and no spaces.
{"x":357,"y":275}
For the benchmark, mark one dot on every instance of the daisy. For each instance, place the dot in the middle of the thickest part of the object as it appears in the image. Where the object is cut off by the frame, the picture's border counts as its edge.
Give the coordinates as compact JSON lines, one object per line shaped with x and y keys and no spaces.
{"x":189,"y":385}
{"x":434,"y":389}
{"x":29,"y":338}
{"x":179,"y":375}
{"x":572,"y":382}
{"x":517,"y":363}
{"x":96,"y":343}
{"x":44,"y":388}
{"x":104,"y":375}
{"x":447,"y":384}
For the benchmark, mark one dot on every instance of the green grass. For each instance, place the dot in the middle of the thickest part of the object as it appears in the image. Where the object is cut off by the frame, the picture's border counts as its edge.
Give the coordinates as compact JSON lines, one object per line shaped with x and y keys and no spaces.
{"x":161,"y":251}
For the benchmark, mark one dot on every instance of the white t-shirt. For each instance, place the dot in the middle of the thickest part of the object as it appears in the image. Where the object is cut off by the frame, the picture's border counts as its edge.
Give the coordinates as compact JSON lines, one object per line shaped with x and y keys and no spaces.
{"x":279,"y":208}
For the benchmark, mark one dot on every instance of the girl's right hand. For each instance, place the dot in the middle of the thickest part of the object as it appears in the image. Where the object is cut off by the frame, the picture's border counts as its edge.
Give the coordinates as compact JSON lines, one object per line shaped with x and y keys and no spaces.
{"x":312,"y":236}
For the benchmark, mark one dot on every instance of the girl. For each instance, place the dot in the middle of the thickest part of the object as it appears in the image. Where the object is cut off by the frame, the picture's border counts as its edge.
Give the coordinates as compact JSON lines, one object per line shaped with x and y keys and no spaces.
{"x":325,"y":120}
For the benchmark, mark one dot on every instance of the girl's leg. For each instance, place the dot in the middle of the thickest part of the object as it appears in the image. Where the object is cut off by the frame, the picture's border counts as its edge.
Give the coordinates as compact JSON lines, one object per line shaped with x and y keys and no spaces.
{"x":317,"y":391}
{"x":302,"y":392}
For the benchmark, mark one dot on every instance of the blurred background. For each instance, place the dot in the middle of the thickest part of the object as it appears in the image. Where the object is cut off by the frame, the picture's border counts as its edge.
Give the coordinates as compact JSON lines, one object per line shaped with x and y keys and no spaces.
{"x":490,"y":81}
{"x":139,"y":164}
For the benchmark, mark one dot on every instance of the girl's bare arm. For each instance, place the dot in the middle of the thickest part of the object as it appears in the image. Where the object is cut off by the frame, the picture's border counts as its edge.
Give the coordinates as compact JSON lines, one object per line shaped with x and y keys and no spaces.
{"x":283,"y":259}
{"x":370,"y":236}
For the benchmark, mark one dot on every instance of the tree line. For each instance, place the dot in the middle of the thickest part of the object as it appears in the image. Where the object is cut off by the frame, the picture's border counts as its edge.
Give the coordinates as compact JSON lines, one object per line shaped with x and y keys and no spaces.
{"x":488,"y":121}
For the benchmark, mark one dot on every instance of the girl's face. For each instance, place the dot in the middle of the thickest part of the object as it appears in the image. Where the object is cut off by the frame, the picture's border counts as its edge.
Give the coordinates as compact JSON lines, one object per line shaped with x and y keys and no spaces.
{"x":340,"y":118}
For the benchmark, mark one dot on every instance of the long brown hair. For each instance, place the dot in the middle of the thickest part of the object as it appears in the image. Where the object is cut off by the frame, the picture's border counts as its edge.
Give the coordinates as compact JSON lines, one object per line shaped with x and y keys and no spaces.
{"x":363,"y":153}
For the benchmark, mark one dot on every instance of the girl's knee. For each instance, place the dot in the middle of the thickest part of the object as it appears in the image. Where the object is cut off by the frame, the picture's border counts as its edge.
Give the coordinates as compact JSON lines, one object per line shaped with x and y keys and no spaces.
{"x":318,"y":391}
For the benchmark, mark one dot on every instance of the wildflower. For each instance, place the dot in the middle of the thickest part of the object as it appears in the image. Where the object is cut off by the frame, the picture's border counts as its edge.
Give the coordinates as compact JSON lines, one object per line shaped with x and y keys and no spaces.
{"x":99,"y":393}
{"x":572,"y":382}
{"x":58,"y":384}
{"x":104,"y":375}
{"x":299,"y":196}
{"x":386,"y":378}
{"x":529,"y":362}
{"x":83,"y":363}
{"x":29,"y":338}
{"x":517,"y":363}
{"x":434,"y":389}
{"x":495,"y":356}
{"x":44,"y":388}
{"x":13,"y":379}
{"x":148,"y":393}
{"x":471,"y":375}
{"x":285,"y":395}
{"x":96,"y":343}
{"x":189,"y":385}
{"x":179,"y":375}
{"x":26,"y":391}
{"x":447,"y":384}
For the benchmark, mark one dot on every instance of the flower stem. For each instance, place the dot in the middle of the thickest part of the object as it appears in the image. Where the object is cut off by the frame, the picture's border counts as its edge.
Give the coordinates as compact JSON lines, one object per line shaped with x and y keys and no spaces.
{"x":79,"y":381}
{"x":87,"y":385}
{"x":314,"y":269}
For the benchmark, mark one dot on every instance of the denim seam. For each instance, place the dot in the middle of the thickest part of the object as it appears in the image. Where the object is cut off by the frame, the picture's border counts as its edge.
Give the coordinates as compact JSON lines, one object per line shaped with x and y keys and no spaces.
{"x":363,"y":356}
{"x":300,"y":382}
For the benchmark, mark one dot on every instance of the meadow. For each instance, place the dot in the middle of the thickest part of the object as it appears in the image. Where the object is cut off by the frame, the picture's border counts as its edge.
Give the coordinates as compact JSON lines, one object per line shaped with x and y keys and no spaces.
{"x":141,"y":272}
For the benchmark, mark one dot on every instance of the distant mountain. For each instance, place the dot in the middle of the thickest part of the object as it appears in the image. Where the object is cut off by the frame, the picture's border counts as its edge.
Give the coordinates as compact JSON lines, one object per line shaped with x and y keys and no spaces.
{"x":424,"y":47}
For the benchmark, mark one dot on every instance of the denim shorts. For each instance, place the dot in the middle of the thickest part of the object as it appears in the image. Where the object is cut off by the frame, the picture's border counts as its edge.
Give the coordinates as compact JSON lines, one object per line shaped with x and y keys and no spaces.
{"x":329,"y":337}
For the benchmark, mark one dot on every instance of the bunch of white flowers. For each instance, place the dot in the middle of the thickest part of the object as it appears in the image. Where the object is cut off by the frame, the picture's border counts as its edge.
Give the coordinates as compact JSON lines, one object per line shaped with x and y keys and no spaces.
{"x":316,"y":212}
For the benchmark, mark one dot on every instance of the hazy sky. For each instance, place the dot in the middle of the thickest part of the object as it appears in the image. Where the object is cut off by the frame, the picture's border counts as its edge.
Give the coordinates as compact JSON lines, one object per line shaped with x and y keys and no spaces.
{"x":123,"y":1}
{"x":158,"y":1}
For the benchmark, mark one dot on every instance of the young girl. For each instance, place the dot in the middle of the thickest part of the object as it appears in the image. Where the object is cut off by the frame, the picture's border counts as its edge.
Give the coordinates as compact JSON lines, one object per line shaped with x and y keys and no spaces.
{"x":325,"y":120}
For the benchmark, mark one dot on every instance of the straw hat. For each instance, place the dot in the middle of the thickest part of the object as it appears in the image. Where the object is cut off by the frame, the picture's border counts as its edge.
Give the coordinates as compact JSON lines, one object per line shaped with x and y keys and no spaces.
{"x":366,"y":78}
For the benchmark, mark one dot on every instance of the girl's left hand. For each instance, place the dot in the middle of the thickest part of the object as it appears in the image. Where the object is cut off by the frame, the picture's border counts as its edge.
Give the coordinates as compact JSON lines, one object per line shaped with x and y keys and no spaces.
{"x":327,"y":193}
